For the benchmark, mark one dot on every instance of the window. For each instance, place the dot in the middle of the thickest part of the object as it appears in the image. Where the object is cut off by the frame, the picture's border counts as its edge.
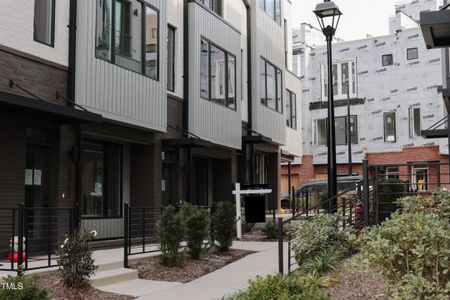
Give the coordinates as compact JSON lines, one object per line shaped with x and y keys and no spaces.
{"x":135,"y":38}
{"x":320,"y":132}
{"x":392,"y":172}
{"x":412,"y":53}
{"x":44,"y":21}
{"x":344,"y":77}
{"x":214,"y":5}
{"x":291,"y":110}
{"x":419,"y":180}
{"x":102,"y":180}
{"x":171,"y":58}
{"x":414,"y":122}
{"x":354,"y":129}
{"x":271,"y":83}
{"x":387,"y":60}
{"x":272,"y":8}
{"x":340,"y":126}
{"x":389,"y":127}
{"x":217,"y":75}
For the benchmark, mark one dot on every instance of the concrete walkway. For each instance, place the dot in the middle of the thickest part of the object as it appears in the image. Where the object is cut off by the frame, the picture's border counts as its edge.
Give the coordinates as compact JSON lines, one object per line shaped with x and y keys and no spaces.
{"x":215,"y":285}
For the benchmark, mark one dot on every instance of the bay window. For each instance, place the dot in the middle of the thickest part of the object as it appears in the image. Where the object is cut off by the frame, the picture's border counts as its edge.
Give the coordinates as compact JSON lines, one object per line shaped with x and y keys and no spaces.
{"x":217,"y":75}
{"x":271,"y":86}
{"x":127,"y":34}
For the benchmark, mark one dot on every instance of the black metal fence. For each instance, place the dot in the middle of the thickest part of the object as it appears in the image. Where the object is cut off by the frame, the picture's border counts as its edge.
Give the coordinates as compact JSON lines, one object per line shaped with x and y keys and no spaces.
{"x":31,"y":236}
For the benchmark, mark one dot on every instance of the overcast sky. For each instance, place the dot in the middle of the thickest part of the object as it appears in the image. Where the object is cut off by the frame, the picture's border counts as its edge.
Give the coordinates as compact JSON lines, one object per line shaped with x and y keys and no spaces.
{"x":360,"y":16}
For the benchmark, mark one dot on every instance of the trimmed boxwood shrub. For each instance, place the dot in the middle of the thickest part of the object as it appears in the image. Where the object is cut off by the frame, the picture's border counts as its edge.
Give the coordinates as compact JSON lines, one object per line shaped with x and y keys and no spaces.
{"x":224,"y":225}
{"x":196,"y":221}
{"x":171,"y":230}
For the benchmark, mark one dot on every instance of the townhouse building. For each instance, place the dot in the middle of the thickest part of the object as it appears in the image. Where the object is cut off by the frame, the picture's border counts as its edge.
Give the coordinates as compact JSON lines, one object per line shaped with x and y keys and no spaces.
{"x":392,"y":85}
{"x":146,"y":103}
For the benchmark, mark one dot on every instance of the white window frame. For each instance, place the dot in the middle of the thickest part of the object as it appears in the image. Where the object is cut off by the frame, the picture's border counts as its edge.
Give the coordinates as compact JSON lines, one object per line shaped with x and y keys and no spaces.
{"x":342,"y":93}
{"x":414,"y":183}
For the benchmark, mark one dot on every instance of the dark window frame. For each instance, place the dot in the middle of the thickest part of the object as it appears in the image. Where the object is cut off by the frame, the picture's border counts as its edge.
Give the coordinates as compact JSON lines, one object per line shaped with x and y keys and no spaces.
{"x":276,"y":5}
{"x":227,"y":54}
{"x":264,"y":103}
{"x":408,"y":53}
{"x":52,"y":37}
{"x":389,"y":64}
{"x":172,"y":66}
{"x":143,"y":39}
{"x":291,"y":122}
{"x":395,"y":126}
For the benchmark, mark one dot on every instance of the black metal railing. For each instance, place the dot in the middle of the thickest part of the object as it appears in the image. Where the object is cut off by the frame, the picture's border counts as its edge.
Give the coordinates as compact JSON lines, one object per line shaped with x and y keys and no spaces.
{"x":31,"y":236}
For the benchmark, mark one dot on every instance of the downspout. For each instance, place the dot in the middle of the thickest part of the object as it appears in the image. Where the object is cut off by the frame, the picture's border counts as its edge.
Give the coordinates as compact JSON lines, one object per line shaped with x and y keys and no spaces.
{"x":71,"y":95}
{"x":186,"y":95}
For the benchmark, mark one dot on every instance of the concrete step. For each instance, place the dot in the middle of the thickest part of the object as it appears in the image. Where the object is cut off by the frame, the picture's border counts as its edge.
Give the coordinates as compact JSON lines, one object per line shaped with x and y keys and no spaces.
{"x":108,"y":277}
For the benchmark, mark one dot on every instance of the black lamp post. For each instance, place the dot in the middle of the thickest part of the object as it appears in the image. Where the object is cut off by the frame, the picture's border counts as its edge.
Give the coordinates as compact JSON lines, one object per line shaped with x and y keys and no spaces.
{"x":328,"y":15}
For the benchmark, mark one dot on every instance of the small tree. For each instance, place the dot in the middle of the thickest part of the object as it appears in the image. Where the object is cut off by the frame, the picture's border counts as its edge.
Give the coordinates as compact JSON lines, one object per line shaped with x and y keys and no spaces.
{"x":75,"y":261}
{"x":171,"y":230}
{"x":224,"y":225}
{"x":196,"y":220}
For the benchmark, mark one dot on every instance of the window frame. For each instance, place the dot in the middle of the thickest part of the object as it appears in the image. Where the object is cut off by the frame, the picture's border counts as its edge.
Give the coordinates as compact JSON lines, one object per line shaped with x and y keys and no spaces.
{"x":341,"y":94}
{"x":142,"y":72}
{"x":395,"y":126}
{"x":387,"y":55}
{"x":277,"y":5}
{"x":227,"y":54}
{"x":316,"y":132}
{"x":172,"y":66}
{"x":408,"y":51}
{"x":412,"y":123}
{"x":266,"y":63}
{"x":52,"y":36}
{"x":291,"y":98}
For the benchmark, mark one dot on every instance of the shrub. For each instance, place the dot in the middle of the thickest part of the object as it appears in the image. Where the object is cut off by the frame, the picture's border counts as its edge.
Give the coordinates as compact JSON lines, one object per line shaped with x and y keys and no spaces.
{"x":75,"y":261}
{"x":275,"y":287}
{"x":247,"y":227}
{"x":224,"y":225}
{"x":312,"y":238}
{"x":22,"y":288}
{"x":391,"y":189}
{"x":171,"y":231}
{"x":417,"y":287}
{"x":196,"y":221}
{"x":323,"y":262}
{"x":270,"y":229}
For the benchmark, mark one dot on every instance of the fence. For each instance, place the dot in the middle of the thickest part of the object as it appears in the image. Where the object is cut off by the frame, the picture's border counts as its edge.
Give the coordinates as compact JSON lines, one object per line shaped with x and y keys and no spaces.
{"x":31,"y":236}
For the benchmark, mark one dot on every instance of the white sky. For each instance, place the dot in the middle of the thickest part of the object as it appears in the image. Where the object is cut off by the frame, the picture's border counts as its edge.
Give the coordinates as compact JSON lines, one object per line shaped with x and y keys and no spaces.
{"x":359,"y":16}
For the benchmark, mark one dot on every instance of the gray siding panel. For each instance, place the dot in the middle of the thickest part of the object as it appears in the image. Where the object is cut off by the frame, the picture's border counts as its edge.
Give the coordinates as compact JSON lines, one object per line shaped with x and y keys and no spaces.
{"x":117,"y":93}
{"x":208,"y":120}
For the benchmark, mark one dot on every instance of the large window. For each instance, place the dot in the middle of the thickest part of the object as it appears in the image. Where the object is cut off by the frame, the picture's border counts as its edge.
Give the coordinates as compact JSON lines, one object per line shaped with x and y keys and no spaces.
{"x":127,"y":34}
{"x":272,"y":8}
{"x":389,"y":127}
{"x":291,"y":110}
{"x":271,"y":85}
{"x":414,"y":122}
{"x":217,"y":75}
{"x":171,"y":58}
{"x":344,"y":78}
{"x":44,"y":21}
{"x":102,"y":180}
{"x":320,"y":130}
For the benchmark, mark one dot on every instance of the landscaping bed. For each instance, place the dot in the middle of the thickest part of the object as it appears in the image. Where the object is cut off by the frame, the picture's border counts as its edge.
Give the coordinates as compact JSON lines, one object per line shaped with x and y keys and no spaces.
{"x":256,"y":235}
{"x":151,"y":268}
{"x":52,"y":281}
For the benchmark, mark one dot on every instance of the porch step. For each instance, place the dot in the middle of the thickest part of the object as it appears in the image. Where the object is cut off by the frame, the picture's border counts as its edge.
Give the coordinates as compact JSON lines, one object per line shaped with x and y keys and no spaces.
{"x":108,"y":277}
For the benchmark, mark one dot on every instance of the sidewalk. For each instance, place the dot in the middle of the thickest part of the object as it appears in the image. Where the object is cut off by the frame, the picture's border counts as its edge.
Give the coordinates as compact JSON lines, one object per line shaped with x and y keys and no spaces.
{"x":215,"y":285}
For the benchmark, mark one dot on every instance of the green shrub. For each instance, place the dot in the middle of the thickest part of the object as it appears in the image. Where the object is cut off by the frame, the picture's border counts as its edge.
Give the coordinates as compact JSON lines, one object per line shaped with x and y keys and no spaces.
{"x":390,"y":189}
{"x":312,"y":238}
{"x":247,"y":227}
{"x":323,"y":262}
{"x":22,"y":288}
{"x":275,"y":287}
{"x":417,"y":287}
{"x":196,"y":221}
{"x":270,"y":229}
{"x":171,"y":231}
{"x":224,"y":225}
{"x":75,"y":261}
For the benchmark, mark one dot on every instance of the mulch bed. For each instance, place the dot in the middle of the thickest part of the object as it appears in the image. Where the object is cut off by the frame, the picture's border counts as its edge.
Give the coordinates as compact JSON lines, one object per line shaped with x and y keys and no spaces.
{"x":151,"y":269}
{"x":352,"y":282}
{"x":52,"y":281}
{"x":255,"y":235}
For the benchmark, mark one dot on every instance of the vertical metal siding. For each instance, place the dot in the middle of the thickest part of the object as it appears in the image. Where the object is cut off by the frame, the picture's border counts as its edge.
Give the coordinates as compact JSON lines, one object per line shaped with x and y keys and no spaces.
{"x":211,"y":121}
{"x":115,"y":92}
{"x":294,"y":140}
{"x":267,"y":38}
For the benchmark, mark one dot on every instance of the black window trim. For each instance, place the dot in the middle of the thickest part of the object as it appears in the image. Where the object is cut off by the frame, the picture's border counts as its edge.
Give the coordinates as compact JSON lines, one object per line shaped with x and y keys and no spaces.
{"x":407,"y":53}
{"x":276,"y":86}
{"x":171,"y":27}
{"x":52,"y":43}
{"x":143,"y":46}
{"x":292,"y":116}
{"x":279,"y":22}
{"x":227,"y":53}
{"x":395,"y":127}
{"x":385,"y":55}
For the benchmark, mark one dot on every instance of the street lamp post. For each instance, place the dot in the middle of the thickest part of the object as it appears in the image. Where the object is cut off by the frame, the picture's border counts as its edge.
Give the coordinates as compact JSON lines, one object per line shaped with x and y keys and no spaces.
{"x":328,"y":15}
{"x":349,"y":133}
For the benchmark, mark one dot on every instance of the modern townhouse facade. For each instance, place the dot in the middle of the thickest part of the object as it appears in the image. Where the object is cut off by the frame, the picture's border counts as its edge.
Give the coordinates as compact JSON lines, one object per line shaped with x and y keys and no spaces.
{"x":394,"y":94}
{"x":143,"y":103}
